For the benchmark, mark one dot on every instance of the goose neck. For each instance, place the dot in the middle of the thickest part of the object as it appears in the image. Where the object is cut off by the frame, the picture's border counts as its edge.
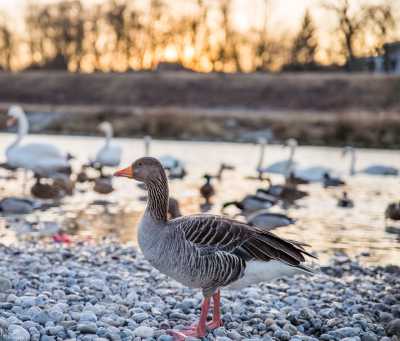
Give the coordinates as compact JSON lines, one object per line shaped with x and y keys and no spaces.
{"x":157,"y":204}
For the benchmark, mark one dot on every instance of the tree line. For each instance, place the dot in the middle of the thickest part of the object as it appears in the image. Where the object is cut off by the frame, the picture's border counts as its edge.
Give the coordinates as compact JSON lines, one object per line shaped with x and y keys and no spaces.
{"x":120,"y":35}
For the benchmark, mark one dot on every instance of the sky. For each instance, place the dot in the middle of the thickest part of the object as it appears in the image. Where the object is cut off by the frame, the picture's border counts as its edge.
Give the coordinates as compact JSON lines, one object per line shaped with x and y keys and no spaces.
{"x":284,"y":13}
{"x":247,"y":11}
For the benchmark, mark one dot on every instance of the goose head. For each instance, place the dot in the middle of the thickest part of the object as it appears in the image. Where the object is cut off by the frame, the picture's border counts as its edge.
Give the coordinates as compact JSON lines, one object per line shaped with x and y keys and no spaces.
{"x":146,"y":169}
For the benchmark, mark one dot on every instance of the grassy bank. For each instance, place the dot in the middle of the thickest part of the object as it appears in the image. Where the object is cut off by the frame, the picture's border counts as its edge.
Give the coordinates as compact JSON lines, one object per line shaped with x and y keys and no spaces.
{"x":331,"y":109}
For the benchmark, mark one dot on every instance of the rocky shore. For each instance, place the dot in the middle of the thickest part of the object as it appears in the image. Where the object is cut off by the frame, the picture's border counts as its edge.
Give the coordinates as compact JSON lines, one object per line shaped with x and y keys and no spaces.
{"x":109,"y":292}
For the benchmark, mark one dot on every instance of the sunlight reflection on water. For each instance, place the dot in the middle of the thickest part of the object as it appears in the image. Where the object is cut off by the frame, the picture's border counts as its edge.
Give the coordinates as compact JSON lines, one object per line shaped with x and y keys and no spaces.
{"x":320,"y":223}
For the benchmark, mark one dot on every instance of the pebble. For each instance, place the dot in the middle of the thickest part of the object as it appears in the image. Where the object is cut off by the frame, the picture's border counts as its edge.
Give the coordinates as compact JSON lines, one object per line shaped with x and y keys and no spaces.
{"x":104,"y":292}
{"x":393,"y":328}
{"x":5,"y":284}
{"x":17,"y":333}
{"x":144,"y":331}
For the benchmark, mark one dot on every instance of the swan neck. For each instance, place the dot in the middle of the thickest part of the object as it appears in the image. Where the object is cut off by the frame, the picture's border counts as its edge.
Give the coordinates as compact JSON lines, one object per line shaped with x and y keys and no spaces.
{"x":352,"y":161}
{"x":22,"y":130}
{"x":262,"y":155}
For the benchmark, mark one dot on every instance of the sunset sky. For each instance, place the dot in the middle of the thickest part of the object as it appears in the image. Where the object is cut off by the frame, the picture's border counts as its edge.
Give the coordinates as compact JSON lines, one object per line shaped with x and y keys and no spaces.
{"x":284,"y":13}
{"x":288,"y":12}
{"x":284,"y":16}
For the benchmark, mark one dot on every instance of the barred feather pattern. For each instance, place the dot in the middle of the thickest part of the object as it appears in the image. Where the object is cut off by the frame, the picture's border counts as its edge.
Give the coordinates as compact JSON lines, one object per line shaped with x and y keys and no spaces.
{"x":206,"y":251}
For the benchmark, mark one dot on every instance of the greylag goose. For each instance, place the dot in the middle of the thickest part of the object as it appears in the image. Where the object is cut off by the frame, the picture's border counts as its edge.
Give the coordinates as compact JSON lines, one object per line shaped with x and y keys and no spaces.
{"x":370,"y":170}
{"x":17,"y":206}
{"x":329,"y":181}
{"x":207,"y":190}
{"x":345,"y":201}
{"x":109,"y":155}
{"x":207,"y":252}
{"x":252,"y":203}
{"x":268,"y":220}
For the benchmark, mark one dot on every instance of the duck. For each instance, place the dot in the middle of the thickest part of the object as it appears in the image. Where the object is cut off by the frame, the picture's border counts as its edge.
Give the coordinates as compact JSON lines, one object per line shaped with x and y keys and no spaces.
{"x":329,"y":181}
{"x":103,"y":185}
{"x":42,"y":158}
{"x":392,"y":211}
{"x":268,"y":220}
{"x":345,"y":201}
{"x":251,"y":203}
{"x":13,"y":205}
{"x":207,"y":190}
{"x":208,"y":252}
{"x":370,"y":170}
{"x":109,"y":155}
{"x":288,"y":194}
{"x":292,"y":180}
{"x":174,"y":210}
{"x":47,"y":190}
{"x":174,"y":167}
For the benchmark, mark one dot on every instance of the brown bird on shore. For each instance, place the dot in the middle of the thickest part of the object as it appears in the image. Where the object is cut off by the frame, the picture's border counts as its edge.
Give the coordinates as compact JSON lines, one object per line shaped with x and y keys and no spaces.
{"x":207,"y":190}
{"x":392,"y":211}
{"x":345,"y":201}
{"x":103,"y":185}
{"x":207,"y":252}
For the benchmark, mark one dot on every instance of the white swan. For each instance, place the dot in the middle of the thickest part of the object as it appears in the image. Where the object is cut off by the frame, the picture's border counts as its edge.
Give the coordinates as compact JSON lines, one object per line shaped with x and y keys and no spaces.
{"x":370,"y":170}
{"x":109,"y":155}
{"x":41,"y":158}
{"x":281,"y":167}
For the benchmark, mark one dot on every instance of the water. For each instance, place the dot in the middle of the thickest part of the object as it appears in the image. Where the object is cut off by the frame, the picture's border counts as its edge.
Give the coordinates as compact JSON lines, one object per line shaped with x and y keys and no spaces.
{"x":320,"y":222}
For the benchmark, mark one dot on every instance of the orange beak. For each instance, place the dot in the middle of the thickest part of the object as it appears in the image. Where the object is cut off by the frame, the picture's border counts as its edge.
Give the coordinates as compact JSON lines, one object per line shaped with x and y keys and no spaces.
{"x":125,"y":173}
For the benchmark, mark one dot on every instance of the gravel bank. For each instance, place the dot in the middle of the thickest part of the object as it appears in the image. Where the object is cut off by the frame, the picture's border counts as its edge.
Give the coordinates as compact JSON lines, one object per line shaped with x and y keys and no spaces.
{"x":109,"y":292}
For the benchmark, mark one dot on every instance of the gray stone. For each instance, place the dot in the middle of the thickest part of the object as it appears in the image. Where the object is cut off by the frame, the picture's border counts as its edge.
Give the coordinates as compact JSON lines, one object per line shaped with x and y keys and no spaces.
{"x":18,"y":333}
{"x":144,"y":331}
{"x":87,"y":327}
{"x":393,"y":328}
{"x":5,"y":284}
{"x":87,"y":316}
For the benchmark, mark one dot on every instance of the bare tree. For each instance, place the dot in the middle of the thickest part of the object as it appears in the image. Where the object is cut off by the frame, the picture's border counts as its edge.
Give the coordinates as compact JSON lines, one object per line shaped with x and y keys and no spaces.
{"x":349,"y":26}
{"x":305,"y":43}
{"x":6,"y":45}
{"x":381,"y":22}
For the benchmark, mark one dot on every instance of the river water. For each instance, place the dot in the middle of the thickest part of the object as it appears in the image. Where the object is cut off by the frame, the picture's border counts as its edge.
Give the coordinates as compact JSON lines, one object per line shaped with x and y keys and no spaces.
{"x":320,"y":223}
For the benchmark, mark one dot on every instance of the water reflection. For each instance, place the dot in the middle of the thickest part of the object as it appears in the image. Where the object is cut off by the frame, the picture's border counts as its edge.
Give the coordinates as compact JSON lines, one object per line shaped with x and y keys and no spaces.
{"x":91,"y":216}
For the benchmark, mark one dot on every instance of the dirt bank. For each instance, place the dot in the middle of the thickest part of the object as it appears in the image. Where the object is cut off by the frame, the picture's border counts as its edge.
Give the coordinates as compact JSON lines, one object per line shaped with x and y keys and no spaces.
{"x":329,"y":109}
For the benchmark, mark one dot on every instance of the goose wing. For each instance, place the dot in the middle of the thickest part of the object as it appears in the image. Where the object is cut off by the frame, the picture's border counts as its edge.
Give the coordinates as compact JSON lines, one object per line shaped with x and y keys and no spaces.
{"x":240,"y":239}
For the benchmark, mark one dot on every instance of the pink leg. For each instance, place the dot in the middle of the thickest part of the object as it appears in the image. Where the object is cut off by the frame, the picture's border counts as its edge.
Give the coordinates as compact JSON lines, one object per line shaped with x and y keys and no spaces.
{"x":216,"y":321}
{"x":199,"y":330}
